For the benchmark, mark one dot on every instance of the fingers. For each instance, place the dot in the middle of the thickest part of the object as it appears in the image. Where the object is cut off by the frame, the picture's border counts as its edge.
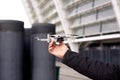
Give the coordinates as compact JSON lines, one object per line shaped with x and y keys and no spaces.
{"x":51,"y":45}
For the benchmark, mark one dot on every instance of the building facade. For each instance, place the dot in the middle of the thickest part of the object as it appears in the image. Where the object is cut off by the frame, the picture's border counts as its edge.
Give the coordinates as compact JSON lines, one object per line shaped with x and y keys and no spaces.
{"x":97,"y":22}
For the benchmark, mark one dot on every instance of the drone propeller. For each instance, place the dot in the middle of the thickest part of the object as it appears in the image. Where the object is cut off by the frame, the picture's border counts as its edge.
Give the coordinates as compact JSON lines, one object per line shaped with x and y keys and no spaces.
{"x":59,"y":38}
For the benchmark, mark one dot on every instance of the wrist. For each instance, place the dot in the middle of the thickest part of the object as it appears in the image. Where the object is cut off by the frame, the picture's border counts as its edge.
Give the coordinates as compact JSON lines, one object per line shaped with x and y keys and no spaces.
{"x":63,"y":53}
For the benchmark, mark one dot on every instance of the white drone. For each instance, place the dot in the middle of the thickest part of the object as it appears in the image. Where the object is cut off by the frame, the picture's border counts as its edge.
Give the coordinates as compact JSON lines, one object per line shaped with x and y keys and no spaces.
{"x":59,"y":38}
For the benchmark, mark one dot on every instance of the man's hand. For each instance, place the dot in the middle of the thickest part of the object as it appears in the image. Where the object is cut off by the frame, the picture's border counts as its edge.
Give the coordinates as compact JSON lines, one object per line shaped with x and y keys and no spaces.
{"x":58,"y":50}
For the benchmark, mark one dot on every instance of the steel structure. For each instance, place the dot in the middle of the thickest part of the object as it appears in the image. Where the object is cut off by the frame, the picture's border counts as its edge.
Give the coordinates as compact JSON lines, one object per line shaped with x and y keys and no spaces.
{"x":92,"y":20}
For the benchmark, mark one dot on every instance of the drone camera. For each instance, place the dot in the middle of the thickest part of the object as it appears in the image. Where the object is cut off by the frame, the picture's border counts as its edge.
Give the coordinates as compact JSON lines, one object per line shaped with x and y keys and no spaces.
{"x":60,"y":39}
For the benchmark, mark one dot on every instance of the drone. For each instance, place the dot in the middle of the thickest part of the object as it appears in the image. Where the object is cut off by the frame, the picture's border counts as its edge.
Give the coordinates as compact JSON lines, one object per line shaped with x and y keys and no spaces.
{"x":59,"y":38}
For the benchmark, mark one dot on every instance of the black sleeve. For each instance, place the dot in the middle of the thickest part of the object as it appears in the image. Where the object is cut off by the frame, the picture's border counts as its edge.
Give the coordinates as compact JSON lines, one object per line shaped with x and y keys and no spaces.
{"x":95,"y":70}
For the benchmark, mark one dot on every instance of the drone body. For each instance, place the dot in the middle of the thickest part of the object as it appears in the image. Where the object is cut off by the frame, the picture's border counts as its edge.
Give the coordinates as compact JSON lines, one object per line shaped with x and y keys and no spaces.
{"x":58,"y":38}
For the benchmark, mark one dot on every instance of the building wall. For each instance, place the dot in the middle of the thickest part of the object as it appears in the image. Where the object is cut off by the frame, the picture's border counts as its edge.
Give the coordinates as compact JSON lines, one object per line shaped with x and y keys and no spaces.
{"x":86,"y":18}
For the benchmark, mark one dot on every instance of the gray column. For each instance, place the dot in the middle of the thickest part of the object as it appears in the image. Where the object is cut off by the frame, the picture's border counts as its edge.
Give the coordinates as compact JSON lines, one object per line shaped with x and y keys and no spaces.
{"x":11,"y":49}
{"x":27,"y":58}
{"x":43,"y":61}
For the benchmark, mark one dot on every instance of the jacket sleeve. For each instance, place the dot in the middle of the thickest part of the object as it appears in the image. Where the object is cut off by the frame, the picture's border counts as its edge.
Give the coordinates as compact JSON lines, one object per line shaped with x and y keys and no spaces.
{"x":95,"y":70}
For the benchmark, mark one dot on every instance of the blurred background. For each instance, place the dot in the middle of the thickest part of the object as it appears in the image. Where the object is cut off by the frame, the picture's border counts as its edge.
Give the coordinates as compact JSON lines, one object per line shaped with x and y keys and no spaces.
{"x":96,"y":22}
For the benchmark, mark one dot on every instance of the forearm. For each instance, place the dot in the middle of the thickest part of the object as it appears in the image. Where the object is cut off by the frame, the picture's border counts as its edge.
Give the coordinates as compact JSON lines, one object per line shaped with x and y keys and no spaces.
{"x":88,"y":67}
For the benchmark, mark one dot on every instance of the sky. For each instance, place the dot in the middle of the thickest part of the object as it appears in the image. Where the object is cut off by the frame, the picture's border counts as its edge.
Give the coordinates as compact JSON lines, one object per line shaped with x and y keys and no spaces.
{"x":13,"y":10}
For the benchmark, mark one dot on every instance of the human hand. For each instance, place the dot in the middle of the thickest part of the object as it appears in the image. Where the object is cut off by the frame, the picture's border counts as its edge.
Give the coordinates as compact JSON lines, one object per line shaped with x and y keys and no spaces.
{"x":58,"y":50}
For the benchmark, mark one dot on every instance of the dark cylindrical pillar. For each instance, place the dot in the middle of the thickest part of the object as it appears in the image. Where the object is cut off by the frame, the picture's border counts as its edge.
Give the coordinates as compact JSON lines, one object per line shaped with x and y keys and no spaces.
{"x":27,"y":58}
{"x":11,"y":49}
{"x":43,"y":61}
